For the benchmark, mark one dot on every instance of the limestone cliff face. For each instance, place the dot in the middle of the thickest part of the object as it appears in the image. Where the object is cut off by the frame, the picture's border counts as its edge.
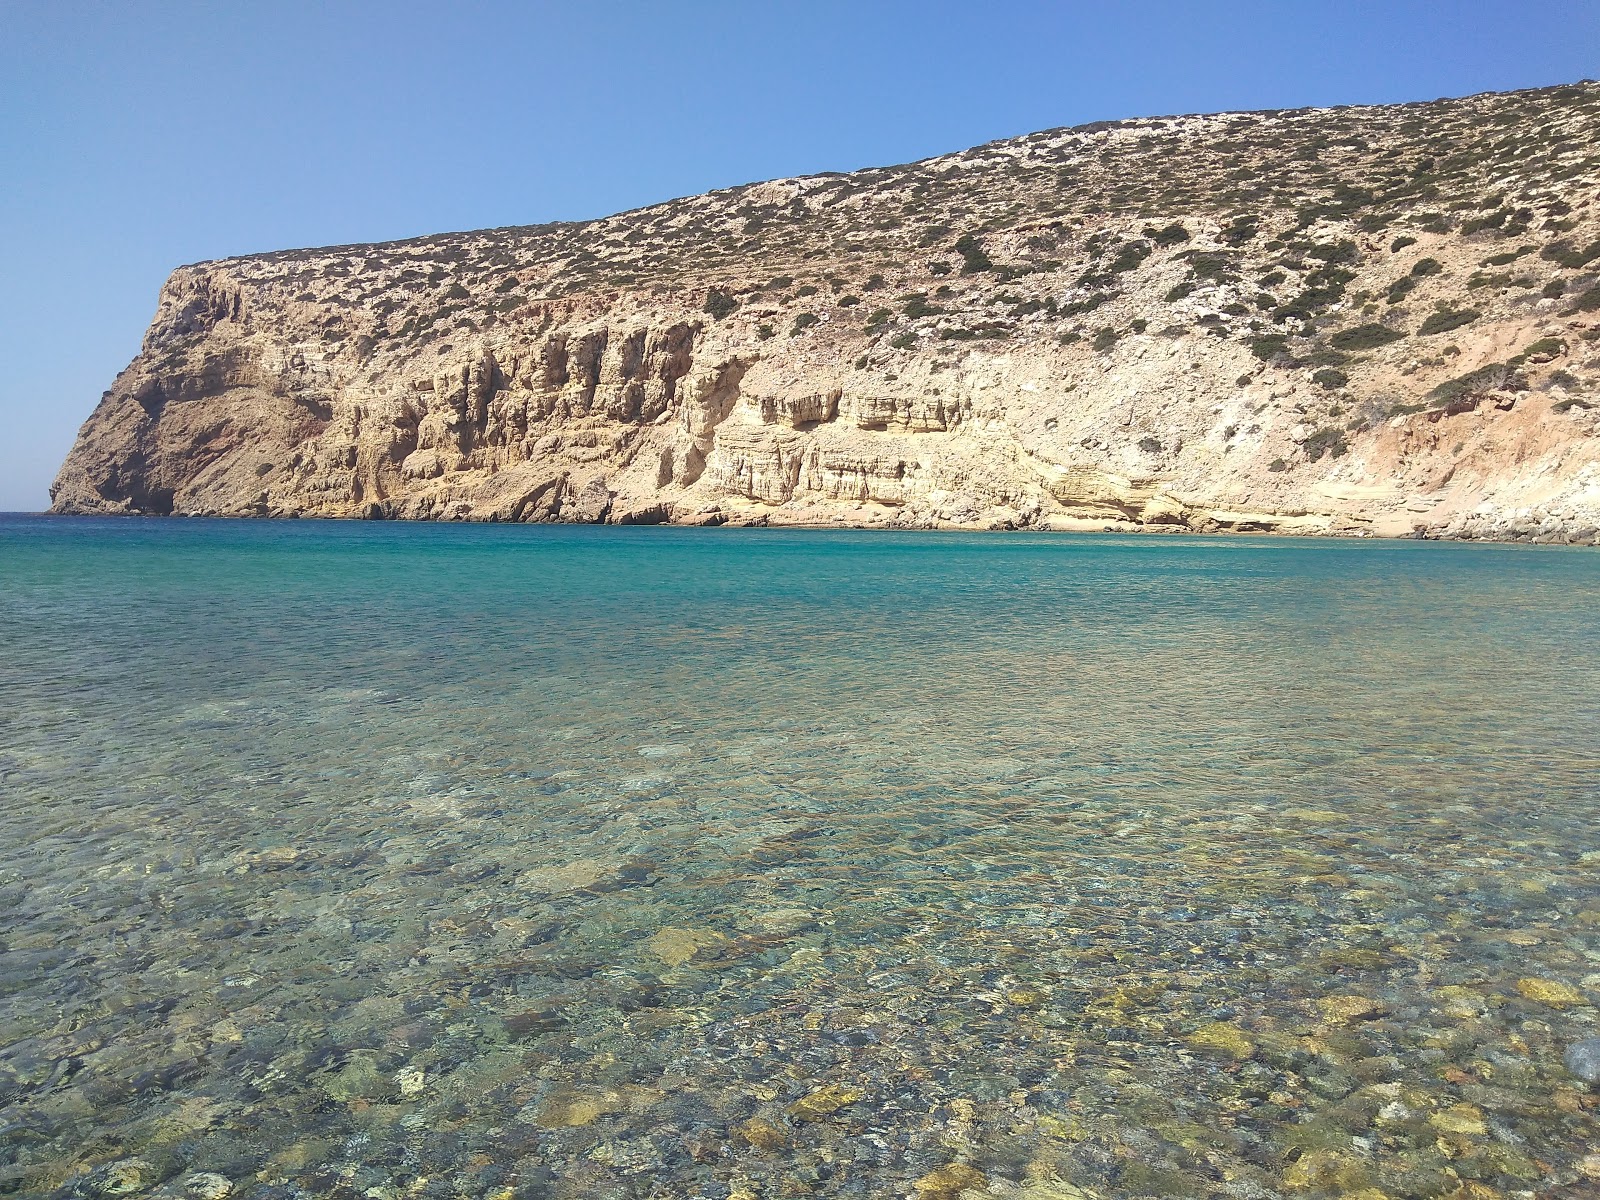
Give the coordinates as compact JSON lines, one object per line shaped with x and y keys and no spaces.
{"x":1369,"y":320}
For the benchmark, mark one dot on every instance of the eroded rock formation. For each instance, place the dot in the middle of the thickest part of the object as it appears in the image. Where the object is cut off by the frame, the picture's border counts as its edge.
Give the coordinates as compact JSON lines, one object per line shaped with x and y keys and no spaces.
{"x":1370,"y":320}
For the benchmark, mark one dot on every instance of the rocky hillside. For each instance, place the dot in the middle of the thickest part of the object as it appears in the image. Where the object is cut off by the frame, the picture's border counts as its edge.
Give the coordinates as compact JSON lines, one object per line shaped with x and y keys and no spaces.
{"x":1361,"y":320}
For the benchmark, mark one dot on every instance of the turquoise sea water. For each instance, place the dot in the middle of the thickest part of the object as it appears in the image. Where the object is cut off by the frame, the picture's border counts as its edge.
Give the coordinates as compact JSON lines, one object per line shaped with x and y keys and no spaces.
{"x":365,"y":860}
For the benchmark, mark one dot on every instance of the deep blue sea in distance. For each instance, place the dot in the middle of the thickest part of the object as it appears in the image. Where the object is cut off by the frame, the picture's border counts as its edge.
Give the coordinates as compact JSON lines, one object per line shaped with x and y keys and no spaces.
{"x":382,"y":860}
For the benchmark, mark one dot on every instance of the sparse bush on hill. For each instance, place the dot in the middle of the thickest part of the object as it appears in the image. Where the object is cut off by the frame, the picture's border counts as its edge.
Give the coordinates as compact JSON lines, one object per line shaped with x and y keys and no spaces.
{"x":1209,"y":266}
{"x":1334,"y":252}
{"x":973,"y":259}
{"x":1129,"y":257}
{"x":1570,"y":257}
{"x":1327,"y":440}
{"x":1269,"y":346}
{"x":1447,"y":319}
{"x":719,"y":304}
{"x":1543,"y":350}
{"x":1364,"y":337}
{"x":1241,"y":230}
{"x":1509,"y":256}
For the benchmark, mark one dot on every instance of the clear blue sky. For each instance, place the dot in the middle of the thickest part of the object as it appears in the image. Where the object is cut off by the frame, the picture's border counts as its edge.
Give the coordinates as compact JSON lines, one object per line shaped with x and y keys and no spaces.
{"x":138,"y":136}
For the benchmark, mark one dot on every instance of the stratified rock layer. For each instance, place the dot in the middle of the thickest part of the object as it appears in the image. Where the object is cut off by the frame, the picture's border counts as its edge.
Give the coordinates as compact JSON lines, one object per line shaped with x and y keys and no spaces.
{"x":1366,"y":320}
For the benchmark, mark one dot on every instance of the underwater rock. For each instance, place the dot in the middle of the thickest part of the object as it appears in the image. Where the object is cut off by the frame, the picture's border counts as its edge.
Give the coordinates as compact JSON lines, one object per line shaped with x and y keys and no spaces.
{"x":824,"y":1102}
{"x":1549,"y":991}
{"x":1583,"y":1059}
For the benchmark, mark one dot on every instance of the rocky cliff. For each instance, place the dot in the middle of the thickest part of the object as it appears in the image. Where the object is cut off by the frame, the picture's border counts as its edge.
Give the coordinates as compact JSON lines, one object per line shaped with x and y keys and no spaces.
{"x":1362,"y":320}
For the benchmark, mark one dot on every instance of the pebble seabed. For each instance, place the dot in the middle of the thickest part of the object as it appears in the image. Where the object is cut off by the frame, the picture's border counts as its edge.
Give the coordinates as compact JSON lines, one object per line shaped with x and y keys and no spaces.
{"x":361,"y":862}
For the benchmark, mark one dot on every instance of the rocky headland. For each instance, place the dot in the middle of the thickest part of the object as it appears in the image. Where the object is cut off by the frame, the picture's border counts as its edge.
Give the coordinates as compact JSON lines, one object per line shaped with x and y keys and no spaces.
{"x":1357,"y":321}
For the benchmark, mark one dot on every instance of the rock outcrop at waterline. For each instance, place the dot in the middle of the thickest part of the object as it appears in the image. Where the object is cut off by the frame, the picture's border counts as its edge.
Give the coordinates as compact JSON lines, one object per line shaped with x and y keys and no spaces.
{"x":1363,"y":320}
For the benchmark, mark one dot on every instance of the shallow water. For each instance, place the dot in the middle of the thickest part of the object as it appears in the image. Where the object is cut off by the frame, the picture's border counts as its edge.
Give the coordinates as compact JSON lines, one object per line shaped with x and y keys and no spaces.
{"x":367,"y":860}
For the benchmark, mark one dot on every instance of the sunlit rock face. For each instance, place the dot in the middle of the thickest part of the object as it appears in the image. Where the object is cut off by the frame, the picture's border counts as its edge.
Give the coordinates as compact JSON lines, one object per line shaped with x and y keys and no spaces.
{"x":1365,"y":320}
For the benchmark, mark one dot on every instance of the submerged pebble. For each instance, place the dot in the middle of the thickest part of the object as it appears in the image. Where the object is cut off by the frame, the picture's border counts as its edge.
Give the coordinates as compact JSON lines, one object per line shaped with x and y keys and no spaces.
{"x":1583,"y":1059}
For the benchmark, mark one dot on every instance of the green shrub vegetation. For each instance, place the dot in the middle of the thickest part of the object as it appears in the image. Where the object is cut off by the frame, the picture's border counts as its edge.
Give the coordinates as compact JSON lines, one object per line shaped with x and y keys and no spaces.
{"x":803,"y":322}
{"x":1334,"y":252}
{"x":1510,"y":256}
{"x":1447,"y":319}
{"x":1589,"y":301}
{"x":1401,"y":288}
{"x":1210,"y":266}
{"x":904,"y":341}
{"x":1545,"y":348}
{"x":1325,"y":287}
{"x":1087,"y":304}
{"x":1364,"y":337}
{"x":1491,"y":377}
{"x":1269,"y":346}
{"x":1568,"y":256}
{"x":1427,"y":266}
{"x":1330,"y":378}
{"x":1401,"y":242}
{"x":1105,"y":339}
{"x":1180,"y":290}
{"x":1129,"y":256}
{"x":1241,"y":230}
{"x":719,"y":304}
{"x":973,"y":259}
{"x":1327,"y":440}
